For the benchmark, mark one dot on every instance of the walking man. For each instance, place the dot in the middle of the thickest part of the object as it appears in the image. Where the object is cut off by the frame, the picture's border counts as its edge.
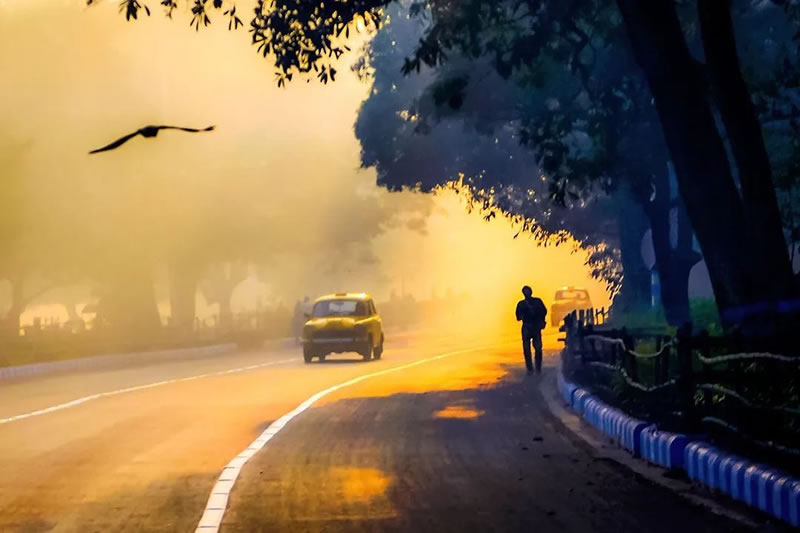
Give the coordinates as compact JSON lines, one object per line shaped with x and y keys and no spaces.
{"x":532,"y":313}
{"x":299,"y":317}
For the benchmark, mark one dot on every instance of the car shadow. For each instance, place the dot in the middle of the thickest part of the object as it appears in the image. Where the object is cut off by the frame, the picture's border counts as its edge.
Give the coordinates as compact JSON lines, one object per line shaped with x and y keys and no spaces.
{"x":349,"y":361}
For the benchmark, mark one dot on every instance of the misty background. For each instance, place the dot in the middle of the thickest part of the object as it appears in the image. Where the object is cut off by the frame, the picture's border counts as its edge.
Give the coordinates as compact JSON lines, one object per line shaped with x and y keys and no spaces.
{"x":270,"y":207}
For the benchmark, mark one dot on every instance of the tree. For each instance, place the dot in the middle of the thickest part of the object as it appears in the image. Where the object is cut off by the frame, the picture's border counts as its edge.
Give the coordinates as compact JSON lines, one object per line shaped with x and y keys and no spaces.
{"x":740,"y":232}
{"x":37,"y":254}
{"x":746,"y":255}
{"x":410,"y":145}
{"x":772,"y":69}
{"x":462,"y":118}
{"x":686,"y":116}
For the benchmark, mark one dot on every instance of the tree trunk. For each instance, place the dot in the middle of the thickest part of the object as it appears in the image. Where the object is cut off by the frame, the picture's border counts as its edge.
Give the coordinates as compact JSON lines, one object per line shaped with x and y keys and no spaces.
{"x":128,"y":306}
{"x":219,"y":285}
{"x":225,"y":312}
{"x":11,"y":320}
{"x":673,"y":264}
{"x":634,"y":295}
{"x":182,"y":295}
{"x":75,"y":321}
{"x":705,"y":180}
{"x":747,"y":144}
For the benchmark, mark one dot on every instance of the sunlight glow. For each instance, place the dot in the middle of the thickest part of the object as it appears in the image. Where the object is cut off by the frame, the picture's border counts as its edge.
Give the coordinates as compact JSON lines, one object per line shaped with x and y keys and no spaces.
{"x":360,"y":485}
{"x":458,"y":412}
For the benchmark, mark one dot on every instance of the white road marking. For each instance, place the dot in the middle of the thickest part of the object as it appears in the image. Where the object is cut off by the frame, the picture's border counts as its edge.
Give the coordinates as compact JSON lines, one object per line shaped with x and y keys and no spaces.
{"x":218,"y":500}
{"x":80,"y":401}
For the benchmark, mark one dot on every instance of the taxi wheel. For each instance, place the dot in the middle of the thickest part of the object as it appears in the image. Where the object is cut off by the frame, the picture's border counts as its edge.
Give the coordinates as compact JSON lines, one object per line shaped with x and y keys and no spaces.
{"x":378,"y":350}
{"x":307,"y":356}
{"x":367,"y":354}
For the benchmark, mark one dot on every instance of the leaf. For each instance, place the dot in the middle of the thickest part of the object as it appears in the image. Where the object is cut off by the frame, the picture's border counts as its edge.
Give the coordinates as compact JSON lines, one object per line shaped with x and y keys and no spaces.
{"x":451,"y":91}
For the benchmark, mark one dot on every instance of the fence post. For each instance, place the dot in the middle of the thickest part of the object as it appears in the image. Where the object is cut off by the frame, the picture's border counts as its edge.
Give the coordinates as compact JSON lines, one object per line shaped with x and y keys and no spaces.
{"x":627,"y":340}
{"x":570,"y":332}
{"x":614,"y":348}
{"x":566,"y":354}
{"x":658,"y":364}
{"x":685,"y":377}
{"x":705,"y":349}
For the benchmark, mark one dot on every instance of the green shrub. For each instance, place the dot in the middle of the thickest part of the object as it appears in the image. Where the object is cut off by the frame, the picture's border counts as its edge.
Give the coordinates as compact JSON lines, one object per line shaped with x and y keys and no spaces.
{"x":705,"y":315}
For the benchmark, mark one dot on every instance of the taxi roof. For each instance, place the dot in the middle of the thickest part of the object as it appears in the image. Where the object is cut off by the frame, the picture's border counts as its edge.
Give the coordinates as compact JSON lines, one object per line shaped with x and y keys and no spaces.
{"x":345,"y":296}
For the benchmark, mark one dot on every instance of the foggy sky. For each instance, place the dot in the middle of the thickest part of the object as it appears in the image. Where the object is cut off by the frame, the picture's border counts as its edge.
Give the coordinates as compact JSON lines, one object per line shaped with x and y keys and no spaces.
{"x":278,"y":180}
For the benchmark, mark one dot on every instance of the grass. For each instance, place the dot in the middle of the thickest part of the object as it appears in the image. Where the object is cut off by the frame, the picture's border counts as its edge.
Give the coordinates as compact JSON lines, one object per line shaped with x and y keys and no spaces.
{"x":703,"y":313}
{"x":705,"y":316}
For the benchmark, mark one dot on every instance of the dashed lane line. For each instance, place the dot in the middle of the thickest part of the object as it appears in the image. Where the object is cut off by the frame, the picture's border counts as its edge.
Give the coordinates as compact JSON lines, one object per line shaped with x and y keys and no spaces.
{"x":85,"y":399}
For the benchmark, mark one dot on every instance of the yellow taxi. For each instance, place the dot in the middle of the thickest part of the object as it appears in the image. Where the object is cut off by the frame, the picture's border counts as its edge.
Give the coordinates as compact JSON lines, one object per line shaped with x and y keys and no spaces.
{"x":343,"y":322}
{"x":567,"y":300}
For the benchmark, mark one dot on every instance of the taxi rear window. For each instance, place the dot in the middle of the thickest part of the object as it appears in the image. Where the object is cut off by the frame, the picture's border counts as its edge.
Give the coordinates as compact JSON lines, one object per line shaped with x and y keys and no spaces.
{"x":571,"y":295}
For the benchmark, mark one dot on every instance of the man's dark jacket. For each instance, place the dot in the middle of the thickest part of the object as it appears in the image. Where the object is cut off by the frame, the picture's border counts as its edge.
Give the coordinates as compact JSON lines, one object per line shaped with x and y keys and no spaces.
{"x":532,"y":313}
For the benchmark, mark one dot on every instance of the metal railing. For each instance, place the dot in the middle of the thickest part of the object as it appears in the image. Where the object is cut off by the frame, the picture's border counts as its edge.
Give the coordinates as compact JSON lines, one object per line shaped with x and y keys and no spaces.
{"x":696,"y":383}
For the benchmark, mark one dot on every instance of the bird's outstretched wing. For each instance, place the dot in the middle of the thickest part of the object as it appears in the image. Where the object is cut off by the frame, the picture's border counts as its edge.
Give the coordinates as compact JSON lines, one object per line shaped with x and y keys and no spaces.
{"x":193,"y":130}
{"x":147,"y":131}
{"x":115,"y":144}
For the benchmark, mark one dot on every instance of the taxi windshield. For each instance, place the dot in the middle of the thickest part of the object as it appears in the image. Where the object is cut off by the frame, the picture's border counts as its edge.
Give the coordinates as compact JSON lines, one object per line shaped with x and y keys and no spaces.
{"x":571,"y":295}
{"x":327,"y":308}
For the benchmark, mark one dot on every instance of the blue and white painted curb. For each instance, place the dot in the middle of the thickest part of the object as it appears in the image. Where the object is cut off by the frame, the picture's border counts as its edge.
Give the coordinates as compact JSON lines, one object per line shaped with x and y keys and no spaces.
{"x":579,"y":397}
{"x":623,"y":429}
{"x":759,"y":486}
{"x":566,"y":389}
{"x":662,"y":447}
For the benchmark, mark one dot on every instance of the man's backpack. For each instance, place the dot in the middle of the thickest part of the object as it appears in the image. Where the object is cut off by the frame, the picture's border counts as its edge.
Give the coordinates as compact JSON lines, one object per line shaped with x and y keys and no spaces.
{"x":537,"y":313}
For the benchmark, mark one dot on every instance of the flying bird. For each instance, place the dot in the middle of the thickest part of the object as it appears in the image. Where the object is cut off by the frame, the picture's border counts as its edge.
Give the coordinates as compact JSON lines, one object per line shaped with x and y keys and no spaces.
{"x":147,"y":131}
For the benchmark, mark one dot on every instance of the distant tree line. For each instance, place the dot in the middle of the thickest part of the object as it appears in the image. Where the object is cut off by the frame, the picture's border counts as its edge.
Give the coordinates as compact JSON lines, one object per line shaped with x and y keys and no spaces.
{"x":143,"y":236}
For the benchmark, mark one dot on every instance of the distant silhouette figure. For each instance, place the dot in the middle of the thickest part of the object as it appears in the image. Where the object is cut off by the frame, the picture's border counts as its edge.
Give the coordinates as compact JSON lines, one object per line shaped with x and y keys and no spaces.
{"x":147,"y":131}
{"x":532,"y":313}
{"x":301,"y":309}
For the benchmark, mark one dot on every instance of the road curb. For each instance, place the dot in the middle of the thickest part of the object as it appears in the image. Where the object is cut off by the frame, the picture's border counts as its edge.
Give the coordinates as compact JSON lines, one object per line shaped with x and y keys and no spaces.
{"x":758,"y":486}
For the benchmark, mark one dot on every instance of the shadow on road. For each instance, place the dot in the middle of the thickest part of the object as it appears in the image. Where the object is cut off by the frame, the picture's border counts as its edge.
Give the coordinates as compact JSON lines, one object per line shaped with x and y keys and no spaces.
{"x":343,"y":359}
{"x":488,"y":458}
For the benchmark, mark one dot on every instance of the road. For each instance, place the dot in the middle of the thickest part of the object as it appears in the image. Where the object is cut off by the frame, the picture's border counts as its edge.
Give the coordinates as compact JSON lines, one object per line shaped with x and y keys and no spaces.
{"x":442,"y":435}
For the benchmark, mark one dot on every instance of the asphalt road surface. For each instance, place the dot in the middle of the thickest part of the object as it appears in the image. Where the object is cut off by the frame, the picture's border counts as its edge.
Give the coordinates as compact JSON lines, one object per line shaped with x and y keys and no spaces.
{"x":461,"y":442}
